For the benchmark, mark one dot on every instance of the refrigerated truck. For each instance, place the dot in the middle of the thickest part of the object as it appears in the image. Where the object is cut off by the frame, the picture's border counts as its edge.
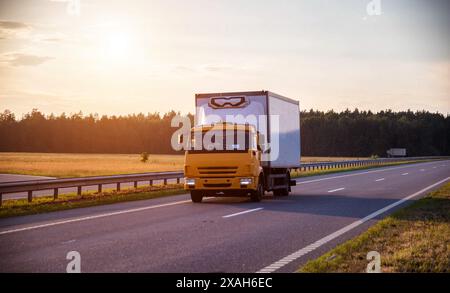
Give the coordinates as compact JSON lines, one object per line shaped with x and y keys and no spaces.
{"x":259,"y":135}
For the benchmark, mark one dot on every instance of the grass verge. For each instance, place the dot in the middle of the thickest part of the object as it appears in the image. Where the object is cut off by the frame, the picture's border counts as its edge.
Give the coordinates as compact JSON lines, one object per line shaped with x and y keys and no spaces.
{"x":413,"y":239}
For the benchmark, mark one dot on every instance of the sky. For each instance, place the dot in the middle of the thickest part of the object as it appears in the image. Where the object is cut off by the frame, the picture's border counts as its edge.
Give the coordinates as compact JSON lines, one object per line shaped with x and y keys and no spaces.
{"x":123,"y":57}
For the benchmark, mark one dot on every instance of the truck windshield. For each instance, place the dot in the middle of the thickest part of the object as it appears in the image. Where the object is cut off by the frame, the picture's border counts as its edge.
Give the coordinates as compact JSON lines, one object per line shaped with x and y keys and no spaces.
{"x":222,"y":141}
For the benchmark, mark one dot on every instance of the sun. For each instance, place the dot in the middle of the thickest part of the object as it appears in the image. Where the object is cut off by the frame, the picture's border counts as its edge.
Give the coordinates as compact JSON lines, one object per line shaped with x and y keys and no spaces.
{"x":117,"y":46}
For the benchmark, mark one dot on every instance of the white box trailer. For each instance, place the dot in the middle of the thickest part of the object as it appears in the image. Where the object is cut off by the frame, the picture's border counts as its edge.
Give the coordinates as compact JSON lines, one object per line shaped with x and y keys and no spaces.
{"x":280,"y":128}
{"x":396,"y":152}
{"x":261,"y":132}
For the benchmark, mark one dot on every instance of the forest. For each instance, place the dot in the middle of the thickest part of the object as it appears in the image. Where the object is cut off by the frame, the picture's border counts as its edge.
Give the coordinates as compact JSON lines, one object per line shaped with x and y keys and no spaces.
{"x":347,"y":133}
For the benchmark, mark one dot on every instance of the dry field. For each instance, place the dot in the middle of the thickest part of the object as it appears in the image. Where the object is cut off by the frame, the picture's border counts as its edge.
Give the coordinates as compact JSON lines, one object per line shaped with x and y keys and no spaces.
{"x":79,"y":165}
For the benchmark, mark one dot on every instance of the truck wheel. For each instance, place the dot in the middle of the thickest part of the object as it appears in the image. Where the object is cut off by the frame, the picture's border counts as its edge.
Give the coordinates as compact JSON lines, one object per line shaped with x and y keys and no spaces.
{"x":196,"y":196}
{"x":256,"y":195}
{"x":283,"y":191}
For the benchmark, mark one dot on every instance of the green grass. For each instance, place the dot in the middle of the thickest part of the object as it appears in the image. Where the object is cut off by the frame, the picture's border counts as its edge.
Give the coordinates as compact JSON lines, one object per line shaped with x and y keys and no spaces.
{"x":413,"y":239}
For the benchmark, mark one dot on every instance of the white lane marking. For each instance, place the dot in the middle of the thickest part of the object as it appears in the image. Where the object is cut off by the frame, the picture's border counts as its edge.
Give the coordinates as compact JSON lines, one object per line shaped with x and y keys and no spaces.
{"x":356,"y":174}
{"x":93,"y":217}
{"x":337,"y":189}
{"x":241,"y":213}
{"x":434,"y":167}
{"x":380,"y":179}
{"x":293,"y":256}
{"x":422,"y":170}
{"x":404,"y":174}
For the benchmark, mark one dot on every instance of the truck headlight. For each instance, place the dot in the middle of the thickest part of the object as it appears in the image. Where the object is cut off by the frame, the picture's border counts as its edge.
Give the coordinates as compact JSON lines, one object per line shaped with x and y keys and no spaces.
{"x":190,"y":181}
{"x":246,"y":181}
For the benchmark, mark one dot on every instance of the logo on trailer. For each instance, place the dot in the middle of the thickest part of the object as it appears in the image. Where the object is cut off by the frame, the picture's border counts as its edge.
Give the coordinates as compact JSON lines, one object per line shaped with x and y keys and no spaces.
{"x":228,"y":102}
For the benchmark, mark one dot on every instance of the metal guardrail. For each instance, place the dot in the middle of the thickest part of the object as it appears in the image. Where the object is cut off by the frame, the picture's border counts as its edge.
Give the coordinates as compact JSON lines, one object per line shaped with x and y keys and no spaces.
{"x":356,"y":163}
{"x":56,"y":184}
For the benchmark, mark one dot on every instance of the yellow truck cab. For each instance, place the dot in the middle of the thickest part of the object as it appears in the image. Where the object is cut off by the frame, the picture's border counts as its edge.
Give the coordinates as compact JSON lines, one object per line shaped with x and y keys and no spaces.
{"x":242,"y":144}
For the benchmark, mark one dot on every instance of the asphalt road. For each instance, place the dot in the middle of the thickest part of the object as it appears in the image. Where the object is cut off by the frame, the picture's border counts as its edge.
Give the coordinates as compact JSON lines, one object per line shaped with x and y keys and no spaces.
{"x":172,"y":234}
{"x":17,"y":177}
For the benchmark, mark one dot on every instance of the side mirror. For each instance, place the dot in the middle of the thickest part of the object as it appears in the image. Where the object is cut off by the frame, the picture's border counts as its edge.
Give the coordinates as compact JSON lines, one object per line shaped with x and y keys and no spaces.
{"x":263,"y":145}
{"x":265,"y":149}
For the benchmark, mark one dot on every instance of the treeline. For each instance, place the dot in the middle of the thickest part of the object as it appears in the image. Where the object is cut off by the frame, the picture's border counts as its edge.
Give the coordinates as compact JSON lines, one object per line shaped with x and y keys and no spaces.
{"x":348,"y":133}
{"x":363,"y":133}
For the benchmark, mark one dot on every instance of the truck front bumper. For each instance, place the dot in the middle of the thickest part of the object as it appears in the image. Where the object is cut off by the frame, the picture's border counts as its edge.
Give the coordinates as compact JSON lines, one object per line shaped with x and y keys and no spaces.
{"x":221,"y":184}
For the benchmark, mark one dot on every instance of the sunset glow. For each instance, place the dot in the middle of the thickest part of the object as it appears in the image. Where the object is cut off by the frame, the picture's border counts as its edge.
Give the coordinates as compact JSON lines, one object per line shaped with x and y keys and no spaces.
{"x":117,"y":58}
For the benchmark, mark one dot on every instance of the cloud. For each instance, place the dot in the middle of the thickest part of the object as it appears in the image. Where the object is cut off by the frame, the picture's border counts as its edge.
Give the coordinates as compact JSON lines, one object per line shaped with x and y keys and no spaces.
{"x":20,"y":59}
{"x":13,"y":25}
{"x":52,"y":39}
{"x":209,"y":68}
{"x":12,"y":29}
{"x":217,"y":68}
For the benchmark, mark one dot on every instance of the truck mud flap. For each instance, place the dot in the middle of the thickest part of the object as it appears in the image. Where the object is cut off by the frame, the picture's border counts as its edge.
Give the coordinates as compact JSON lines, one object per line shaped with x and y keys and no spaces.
{"x":292,"y":182}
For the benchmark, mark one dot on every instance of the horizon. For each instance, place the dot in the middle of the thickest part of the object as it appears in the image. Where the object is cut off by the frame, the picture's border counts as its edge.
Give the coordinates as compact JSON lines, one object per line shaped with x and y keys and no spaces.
{"x":161,"y":114}
{"x":114,"y":58}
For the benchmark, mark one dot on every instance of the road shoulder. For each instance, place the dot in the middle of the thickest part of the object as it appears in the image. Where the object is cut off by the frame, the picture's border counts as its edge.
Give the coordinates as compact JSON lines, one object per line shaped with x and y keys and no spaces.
{"x":413,"y":239}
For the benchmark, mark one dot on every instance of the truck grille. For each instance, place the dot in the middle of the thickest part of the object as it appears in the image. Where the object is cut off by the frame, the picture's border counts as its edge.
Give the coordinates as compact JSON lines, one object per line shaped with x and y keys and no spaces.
{"x":217,"y":185}
{"x":217,"y":171}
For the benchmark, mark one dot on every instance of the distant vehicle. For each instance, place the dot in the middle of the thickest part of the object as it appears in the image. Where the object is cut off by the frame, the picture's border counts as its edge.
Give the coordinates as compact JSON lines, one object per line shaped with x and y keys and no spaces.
{"x":241,"y":168}
{"x":396,"y":152}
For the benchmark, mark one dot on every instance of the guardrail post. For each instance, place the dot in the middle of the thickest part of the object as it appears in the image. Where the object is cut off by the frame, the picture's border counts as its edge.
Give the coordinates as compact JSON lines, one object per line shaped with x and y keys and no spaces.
{"x":100,"y":188}
{"x":151,"y":182}
{"x":118,"y":186}
{"x":79,"y":190}
{"x":135,"y":184}
{"x":165,"y":181}
{"x":1,"y":199}
{"x":55,"y":193}
{"x":30,"y":195}
{"x":178,"y":180}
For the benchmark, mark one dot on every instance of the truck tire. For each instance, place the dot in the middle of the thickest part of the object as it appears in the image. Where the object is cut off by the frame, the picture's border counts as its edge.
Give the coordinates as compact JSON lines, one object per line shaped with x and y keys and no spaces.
{"x":283,"y":191}
{"x":256,"y":195}
{"x":196,"y":196}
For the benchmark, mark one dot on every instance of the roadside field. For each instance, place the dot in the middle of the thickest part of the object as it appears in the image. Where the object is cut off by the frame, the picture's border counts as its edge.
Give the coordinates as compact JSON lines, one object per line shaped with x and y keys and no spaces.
{"x":413,"y":239}
{"x":81,"y":165}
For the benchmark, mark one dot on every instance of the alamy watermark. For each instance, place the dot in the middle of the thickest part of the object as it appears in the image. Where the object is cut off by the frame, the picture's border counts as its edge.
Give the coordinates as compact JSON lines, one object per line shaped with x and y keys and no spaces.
{"x":374,"y":265}
{"x":74,"y":265}
{"x":373,"y":8}
{"x":222,"y":135}
{"x":73,"y":7}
